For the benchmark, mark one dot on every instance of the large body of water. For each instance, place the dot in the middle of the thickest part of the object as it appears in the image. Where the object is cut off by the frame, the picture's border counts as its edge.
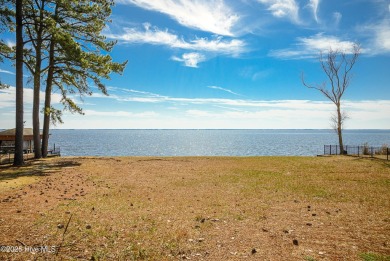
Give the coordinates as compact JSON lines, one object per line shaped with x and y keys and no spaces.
{"x":207,"y":142}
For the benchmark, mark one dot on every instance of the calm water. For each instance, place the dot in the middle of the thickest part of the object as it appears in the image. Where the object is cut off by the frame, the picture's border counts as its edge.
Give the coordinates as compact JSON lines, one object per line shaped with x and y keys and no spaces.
{"x":206,"y":142}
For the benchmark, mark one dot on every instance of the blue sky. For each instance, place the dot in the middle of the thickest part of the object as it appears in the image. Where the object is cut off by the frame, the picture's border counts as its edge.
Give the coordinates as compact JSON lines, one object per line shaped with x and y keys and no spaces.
{"x":232,"y":64}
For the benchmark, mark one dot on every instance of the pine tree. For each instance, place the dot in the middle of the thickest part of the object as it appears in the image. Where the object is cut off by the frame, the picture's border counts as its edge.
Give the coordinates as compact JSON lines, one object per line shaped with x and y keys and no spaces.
{"x":18,"y":158}
{"x":77,"y":53}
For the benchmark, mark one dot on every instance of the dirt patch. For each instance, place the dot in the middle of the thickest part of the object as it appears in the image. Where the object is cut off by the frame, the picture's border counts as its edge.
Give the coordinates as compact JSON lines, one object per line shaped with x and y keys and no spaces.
{"x":258,"y":208}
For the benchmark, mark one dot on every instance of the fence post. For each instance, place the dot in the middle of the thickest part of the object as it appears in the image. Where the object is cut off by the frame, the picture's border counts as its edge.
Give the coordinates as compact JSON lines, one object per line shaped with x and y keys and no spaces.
{"x":387,"y":153}
{"x":372,"y":152}
{"x":336,"y":149}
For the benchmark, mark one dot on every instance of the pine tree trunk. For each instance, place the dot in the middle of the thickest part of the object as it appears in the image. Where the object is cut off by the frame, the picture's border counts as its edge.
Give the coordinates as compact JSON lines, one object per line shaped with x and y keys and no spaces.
{"x":37,"y":89}
{"x":36,"y":129}
{"x":49,"y":83}
{"x":18,"y":158}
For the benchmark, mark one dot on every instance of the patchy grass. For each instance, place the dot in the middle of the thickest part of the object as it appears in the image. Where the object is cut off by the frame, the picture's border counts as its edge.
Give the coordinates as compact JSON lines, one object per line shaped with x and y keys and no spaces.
{"x":374,"y":257}
{"x":218,"y":208}
{"x":15,"y":177}
{"x":16,"y":183}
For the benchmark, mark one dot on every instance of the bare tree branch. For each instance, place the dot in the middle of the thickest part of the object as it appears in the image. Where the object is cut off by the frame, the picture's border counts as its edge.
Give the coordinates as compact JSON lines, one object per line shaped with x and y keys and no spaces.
{"x":337,"y":66}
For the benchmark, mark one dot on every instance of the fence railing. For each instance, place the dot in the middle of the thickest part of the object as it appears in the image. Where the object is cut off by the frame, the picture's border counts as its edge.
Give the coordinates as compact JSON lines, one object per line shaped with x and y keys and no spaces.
{"x":7,"y":156}
{"x":364,"y":150}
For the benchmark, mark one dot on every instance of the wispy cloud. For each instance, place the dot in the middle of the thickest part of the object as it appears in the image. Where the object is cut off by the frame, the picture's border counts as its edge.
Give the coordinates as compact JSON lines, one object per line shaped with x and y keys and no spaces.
{"x":7,"y":97}
{"x":137,"y":92}
{"x":190,"y":59}
{"x":313,"y":4}
{"x":223,"y":89}
{"x":216,"y":113}
{"x":283,"y":9}
{"x":10,"y":43}
{"x":120,"y":114}
{"x":293,"y":10}
{"x":203,"y":47}
{"x":254,"y":74}
{"x":297,"y":114}
{"x":7,"y":72}
{"x":337,"y":18}
{"x":236,"y":108}
{"x":155,"y":36}
{"x":124,"y":95}
{"x":213,"y":16}
{"x":379,"y":34}
{"x":309,"y":47}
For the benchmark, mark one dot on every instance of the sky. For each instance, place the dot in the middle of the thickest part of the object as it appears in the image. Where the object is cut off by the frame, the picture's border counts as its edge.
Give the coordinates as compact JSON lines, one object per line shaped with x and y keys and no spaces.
{"x":230,"y":64}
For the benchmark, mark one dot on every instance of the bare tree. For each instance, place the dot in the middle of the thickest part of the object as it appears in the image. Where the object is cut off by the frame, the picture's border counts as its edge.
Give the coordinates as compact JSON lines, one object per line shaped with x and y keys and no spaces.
{"x":337,"y":66}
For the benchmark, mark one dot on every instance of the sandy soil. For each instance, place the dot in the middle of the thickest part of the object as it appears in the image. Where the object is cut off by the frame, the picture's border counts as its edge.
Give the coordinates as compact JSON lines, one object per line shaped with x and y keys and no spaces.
{"x":196,"y":208}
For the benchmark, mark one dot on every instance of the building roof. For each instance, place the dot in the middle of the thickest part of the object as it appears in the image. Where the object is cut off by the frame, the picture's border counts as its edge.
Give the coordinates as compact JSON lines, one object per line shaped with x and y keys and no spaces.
{"x":10,"y":134}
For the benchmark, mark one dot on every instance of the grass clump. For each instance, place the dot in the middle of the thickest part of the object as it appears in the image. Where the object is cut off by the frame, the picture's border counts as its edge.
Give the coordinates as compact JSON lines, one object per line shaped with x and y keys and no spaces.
{"x":370,"y":256}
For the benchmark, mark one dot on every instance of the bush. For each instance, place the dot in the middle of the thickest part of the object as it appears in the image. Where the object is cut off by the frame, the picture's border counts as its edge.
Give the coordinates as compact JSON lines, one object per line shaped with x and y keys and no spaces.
{"x":366,"y":149}
{"x":382,"y":150}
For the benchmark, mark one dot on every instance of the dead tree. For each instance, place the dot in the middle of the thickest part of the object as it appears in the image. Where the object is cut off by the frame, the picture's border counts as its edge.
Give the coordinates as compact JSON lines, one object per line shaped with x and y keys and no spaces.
{"x":337,"y":66}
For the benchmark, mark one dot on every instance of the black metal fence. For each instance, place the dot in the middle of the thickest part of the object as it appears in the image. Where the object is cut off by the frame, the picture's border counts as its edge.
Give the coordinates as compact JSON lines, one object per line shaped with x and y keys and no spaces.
{"x":361,"y":151}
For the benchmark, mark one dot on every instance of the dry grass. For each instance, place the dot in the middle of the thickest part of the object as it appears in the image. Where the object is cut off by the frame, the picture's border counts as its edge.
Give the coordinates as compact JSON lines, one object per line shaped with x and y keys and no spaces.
{"x":198,"y":208}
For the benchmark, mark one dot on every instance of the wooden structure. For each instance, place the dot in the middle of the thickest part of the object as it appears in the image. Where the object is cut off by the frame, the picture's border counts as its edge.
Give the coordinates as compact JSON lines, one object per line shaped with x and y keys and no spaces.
{"x":7,"y":140}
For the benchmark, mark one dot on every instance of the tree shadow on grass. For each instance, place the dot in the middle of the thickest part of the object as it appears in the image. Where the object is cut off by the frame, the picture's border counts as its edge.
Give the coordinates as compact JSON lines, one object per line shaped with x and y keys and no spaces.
{"x":35,"y":169}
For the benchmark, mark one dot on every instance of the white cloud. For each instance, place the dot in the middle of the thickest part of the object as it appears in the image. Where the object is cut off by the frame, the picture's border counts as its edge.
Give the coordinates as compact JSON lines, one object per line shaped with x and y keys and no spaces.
{"x":207,"y":15}
{"x":337,"y":18}
{"x":7,"y":72}
{"x":211,"y":112}
{"x":309,"y":47}
{"x":254,"y":74}
{"x":320,"y":42}
{"x":156,"y":36}
{"x":380,"y":36}
{"x":283,"y":8}
{"x":200,"y":113}
{"x":7,"y":97}
{"x":313,"y":4}
{"x":295,"y":115}
{"x":223,"y":89}
{"x":145,"y":97}
{"x":120,"y":114}
{"x":10,"y":43}
{"x":130,"y":91}
{"x":250,"y":108}
{"x":7,"y":105}
{"x":298,"y":114}
{"x":130,"y":95}
{"x":190,"y":59}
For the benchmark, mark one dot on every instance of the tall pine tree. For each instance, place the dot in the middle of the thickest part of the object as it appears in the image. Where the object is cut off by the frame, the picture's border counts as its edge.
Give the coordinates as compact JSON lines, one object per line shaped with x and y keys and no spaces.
{"x":78,"y":53}
{"x":18,"y":158}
